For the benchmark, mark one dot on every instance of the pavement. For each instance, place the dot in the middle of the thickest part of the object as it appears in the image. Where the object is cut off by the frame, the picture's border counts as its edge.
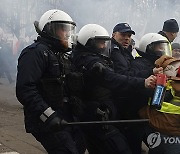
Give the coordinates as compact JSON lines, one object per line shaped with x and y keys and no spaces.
{"x":13,"y":138}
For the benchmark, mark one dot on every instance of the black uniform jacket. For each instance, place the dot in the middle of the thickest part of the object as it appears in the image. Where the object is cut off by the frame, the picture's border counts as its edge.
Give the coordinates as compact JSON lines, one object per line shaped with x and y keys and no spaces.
{"x":84,"y":60}
{"x":122,"y":60}
{"x":36,"y":62}
{"x":140,"y":98}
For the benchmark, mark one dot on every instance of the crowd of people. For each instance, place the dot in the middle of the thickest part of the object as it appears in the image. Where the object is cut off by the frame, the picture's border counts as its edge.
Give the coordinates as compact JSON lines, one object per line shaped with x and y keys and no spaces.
{"x":66,"y":79}
{"x":7,"y":61}
{"x":10,"y":48}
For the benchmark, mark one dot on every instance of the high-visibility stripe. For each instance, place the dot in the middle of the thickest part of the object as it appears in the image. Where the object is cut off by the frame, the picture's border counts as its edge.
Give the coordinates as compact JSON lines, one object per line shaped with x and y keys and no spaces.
{"x":172,"y":107}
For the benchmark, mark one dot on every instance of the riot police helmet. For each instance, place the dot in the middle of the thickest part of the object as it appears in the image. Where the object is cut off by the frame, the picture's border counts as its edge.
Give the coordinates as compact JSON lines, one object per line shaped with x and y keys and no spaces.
{"x":57,"y":24}
{"x":95,"y":38}
{"x":154,"y":44}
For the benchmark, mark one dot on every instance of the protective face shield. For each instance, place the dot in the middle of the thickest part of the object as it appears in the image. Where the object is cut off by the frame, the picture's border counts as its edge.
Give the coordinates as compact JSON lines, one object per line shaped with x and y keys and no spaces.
{"x":64,"y":32}
{"x":100,"y":45}
{"x":57,"y":25}
{"x":158,"y":48}
{"x":168,"y":50}
{"x":95,"y":38}
{"x":154,"y":44}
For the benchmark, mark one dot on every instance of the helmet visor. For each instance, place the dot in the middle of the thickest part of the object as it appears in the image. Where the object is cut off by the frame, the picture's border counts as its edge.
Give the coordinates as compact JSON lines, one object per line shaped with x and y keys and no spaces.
{"x":162,"y":48}
{"x":168,"y":50}
{"x":62,"y":31}
{"x":103,"y":46}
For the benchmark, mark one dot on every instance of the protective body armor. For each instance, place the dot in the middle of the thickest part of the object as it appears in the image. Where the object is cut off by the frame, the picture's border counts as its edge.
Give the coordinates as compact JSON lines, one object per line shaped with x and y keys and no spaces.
{"x":51,"y":85}
{"x":45,"y":82}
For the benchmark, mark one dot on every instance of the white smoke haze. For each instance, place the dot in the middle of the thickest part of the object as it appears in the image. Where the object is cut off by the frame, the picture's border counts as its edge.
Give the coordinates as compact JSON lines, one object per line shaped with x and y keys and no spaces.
{"x":17,"y":16}
{"x":143,"y":15}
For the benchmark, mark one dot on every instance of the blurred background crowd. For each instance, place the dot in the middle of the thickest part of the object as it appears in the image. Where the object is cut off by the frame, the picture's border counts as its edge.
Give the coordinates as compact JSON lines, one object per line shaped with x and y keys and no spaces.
{"x":17,"y":17}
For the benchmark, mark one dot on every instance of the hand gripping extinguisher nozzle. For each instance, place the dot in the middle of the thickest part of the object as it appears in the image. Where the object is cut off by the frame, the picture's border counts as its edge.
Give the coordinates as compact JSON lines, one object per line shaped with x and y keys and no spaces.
{"x":159,"y":91}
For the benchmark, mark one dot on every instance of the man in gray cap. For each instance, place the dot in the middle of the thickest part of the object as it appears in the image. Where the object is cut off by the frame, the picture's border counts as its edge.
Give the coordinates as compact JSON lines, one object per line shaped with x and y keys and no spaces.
{"x":170,"y":29}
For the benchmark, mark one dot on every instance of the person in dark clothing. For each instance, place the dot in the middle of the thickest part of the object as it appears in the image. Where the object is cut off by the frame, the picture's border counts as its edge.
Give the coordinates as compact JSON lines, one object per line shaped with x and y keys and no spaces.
{"x":170,"y":31}
{"x":122,"y":61}
{"x":40,"y":85}
{"x":91,"y":58}
{"x":151,"y":47}
{"x":121,"y":51}
{"x":5,"y":61}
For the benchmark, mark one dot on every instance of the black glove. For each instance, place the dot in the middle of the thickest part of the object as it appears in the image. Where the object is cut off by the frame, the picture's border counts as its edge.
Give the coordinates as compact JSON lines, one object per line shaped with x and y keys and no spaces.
{"x":52,"y":122}
{"x":98,"y":68}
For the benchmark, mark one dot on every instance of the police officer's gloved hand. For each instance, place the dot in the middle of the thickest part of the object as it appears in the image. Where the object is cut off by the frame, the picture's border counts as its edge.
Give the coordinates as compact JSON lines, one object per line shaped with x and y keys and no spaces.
{"x":52,"y":122}
{"x":98,"y":67}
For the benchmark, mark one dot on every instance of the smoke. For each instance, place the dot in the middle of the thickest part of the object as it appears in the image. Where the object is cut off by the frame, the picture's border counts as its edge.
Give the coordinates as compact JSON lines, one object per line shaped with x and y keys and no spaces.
{"x":144,"y":16}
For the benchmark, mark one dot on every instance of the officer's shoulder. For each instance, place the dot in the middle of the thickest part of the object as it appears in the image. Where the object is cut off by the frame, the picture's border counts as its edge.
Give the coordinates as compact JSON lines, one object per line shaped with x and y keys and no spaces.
{"x":36,"y":48}
{"x":33,"y":45}
{"x":37,"y":45}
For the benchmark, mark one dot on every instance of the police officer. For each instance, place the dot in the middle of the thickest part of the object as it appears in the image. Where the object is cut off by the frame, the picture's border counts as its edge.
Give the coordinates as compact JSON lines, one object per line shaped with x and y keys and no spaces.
{"x":91,"y":58}
{"x":39,"y":86}
{"x":122,"y":58}
{"x":121,"y":53}
{"x":151,"y":47}
{"x":121,"y":49}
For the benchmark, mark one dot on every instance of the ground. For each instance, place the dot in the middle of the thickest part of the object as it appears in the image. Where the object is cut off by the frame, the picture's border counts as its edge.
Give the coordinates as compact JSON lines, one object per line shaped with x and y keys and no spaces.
{"x":13,"y":138}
